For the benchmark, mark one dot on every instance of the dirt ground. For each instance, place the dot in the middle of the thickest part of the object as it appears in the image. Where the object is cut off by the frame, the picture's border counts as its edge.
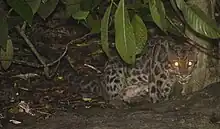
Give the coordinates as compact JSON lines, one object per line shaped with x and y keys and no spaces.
{"x":197,"y":111}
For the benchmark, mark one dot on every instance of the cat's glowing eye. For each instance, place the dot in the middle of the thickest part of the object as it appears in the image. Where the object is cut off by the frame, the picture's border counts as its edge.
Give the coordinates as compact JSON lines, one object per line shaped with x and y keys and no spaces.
{"x":176,"y":63}
{"x":189,"y":63}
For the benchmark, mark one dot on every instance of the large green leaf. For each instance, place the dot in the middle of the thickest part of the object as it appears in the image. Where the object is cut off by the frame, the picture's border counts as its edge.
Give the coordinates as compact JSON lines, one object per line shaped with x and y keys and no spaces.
{"x":22,"y":8}
{"x":198,"y":20}
{"x":34,"y":4}
{"x":94,"y":24}
{"x":7,"y":55}
{"x":80,"y":15}
{"x":88,"y":5}
{"x":104,"y":31}
{"x":124,"y":34}
{"x":140,"y":32}
{"x":175,"y":19}
{"x":3,"y":30}
{"x":145,"y":14}
{"x":47,"y":8}
{"x":73,"y":9}
{"x":72,"y":6}
{"x":158,"y":14}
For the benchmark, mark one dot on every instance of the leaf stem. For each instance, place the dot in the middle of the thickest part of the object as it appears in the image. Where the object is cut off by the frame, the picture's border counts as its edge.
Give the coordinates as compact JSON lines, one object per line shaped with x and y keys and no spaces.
{"x":9,"y":12}
{"x":112,"y":1}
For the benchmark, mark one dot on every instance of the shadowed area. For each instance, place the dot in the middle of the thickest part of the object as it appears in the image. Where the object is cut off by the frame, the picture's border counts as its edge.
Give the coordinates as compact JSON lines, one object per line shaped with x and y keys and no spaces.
{"x":197,"y":111}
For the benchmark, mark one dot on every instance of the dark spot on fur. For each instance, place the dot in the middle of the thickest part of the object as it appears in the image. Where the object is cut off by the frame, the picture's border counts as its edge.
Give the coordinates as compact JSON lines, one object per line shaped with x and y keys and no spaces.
{"x":115,"y":87}
{"x":120,"y":71}
{"x":114,"y":95}
{"x":139,"y":78}
{"x":107,"y":88}
{"x":120,"y":65}
{"x":133,"y":80}
{"x":157,"y":70}
{"x":108,"y":72}
{"x":159,"y":83}
{"x":163,"y":76}
{"x":107,"y":78}
{"x":145,"y":77}
{"x":153,"y":89}
{"x":113,"y":72}
{"x":135,"y":72}
{"x":117,"y":81}
{"x":111,"y":88}
{"x":162,"y":54}
{"x":167,"y":89}
{"x":111,"y":79}
{"x":167,"y":66}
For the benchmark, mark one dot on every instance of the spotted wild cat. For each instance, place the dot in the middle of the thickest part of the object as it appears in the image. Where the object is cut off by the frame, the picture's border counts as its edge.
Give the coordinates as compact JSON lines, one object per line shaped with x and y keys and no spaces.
{"x":154,"y":73}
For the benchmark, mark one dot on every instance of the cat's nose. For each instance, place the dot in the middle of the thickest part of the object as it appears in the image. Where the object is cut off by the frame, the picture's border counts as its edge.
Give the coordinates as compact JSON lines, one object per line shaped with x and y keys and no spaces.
{"x":183,"y":81}
{"x":184,"y":76}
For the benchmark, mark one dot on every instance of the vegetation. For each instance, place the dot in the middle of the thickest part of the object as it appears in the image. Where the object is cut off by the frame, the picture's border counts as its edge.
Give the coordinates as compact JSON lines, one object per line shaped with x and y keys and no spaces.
{"x":129,"y":19}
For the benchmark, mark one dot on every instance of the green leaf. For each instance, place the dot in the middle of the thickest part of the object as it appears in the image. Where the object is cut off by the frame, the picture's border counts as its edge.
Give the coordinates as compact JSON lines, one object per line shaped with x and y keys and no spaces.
{"x":145,"y":14}
{"x":22,"y":8}
{"x":73,"y":9}
{"x":104,"y":31}
{"x":80,"y":15}
{"x":86,"y":5}
{"x":146,"y":1}
{"x":44,"y":1}
{"x":7,"y":55}
{"x":34,"y":4}
{"x":89,"y":5}
{"x":72,"y":6}
{"x":3,"y":30}
{"x":135,"y":4}
{"x":124,"y":35}
{"x":47,"y":8}
{"x":140,"y":32}
{"x":158,"y":14}
{"x":198,"y":20}
{"x":176,"y":25}
{"x":94,"y":24}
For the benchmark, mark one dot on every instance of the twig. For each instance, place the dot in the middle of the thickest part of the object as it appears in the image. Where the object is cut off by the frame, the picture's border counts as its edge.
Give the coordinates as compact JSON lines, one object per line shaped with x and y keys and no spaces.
{"x":92,"y":67}
{"x":81,"y":39}
{"x":21,"y":31}
{"x":44,"y":65}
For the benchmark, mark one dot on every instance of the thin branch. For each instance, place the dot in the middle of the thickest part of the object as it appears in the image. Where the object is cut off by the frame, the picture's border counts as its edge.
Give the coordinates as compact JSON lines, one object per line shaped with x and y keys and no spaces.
{"x":81,"y":39}
{"x":21,"y":31}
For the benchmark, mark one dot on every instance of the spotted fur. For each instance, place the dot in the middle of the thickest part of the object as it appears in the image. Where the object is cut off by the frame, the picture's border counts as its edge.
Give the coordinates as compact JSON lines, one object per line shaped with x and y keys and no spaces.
{"x":165,"y":63}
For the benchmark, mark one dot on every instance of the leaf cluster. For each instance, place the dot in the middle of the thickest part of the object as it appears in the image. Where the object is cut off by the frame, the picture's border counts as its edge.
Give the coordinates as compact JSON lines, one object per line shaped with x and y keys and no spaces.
{"x":129,"y":20}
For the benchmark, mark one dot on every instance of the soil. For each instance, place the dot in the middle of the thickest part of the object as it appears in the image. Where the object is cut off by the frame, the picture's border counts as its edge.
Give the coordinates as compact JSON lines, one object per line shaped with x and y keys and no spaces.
{"x":197,"y":111}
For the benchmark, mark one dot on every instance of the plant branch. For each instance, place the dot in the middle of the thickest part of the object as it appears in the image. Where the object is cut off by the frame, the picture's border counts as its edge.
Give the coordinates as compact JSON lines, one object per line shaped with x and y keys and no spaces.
{"x":21,"y":31}
{"x":44,"y":65}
